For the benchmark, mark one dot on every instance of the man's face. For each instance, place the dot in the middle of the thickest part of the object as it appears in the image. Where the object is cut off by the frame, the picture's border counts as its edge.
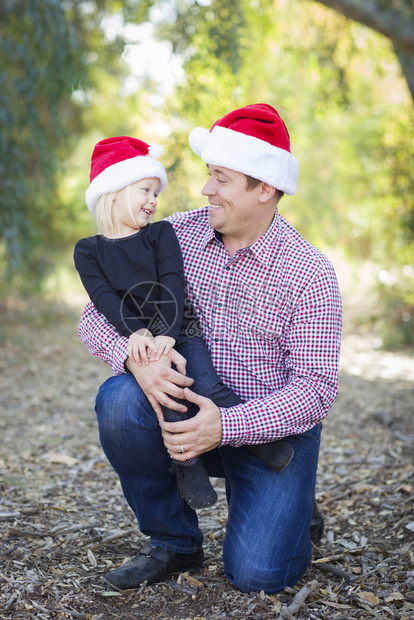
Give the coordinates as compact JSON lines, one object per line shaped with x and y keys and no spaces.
{"x":233,"y":210}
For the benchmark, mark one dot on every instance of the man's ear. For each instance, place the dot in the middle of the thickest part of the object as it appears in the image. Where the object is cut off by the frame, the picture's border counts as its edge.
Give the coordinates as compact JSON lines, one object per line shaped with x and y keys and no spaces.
{"x":266,"y":192}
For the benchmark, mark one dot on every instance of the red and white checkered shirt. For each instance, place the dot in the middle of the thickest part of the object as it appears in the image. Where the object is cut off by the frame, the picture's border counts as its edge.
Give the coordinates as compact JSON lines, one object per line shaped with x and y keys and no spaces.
{"x":271,"y":316}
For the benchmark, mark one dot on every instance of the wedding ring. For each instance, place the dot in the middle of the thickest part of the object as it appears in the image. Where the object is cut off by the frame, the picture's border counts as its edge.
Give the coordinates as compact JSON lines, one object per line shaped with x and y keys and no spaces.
{"x":182,"y":449}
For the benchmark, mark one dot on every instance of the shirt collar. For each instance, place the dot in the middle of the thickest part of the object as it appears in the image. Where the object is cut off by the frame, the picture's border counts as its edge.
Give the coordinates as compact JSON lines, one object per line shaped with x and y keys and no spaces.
{"x":209,"y":235}
{"x":263,"y":249}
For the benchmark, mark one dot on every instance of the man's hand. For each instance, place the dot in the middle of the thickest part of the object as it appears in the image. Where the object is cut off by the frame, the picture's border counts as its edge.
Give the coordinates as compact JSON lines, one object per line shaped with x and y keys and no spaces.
{"x":158,"y":380}
{"x":198,"y":434}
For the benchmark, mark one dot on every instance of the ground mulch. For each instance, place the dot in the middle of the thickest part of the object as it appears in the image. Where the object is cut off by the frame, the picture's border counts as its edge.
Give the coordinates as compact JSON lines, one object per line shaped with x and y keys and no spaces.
{"x":64,"y":522}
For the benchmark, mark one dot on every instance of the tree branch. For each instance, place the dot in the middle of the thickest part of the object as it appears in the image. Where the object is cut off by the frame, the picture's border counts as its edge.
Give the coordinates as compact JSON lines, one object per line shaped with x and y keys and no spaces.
{"x":300,"y":597}
{"x":394,"y":25}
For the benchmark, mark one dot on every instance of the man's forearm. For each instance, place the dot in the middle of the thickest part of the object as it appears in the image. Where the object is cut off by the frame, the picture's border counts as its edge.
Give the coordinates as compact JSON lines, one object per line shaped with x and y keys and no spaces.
{"x":102,"y":339}
{"x":293,"y":410}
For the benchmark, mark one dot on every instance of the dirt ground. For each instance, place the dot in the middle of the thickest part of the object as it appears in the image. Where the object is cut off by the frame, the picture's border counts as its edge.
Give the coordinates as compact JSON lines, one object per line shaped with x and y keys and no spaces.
{"x":64,"y":522}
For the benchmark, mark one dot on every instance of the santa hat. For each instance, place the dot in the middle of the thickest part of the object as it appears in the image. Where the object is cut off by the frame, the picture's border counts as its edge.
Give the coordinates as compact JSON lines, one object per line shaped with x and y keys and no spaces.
{"x":118,"y":162}
{"x":253,"y":140}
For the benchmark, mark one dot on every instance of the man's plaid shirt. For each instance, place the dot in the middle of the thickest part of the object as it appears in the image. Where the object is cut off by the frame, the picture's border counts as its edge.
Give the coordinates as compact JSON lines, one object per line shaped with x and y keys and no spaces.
{"x":271,"y":317}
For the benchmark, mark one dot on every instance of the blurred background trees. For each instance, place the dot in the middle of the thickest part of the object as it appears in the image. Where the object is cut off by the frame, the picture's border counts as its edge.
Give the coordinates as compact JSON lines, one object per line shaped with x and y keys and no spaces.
{"x":392,"y":18}
{"x":75,"y":71}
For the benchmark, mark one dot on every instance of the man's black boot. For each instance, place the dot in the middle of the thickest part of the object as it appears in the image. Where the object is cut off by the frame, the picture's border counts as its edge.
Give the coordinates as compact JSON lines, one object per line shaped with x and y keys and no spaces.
{"x":153,"y":564}
{"x":316,"y":526}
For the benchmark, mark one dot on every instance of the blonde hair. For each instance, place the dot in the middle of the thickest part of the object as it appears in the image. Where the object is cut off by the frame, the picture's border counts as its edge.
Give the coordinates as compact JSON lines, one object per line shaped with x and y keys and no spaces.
{"x":103,"y":213}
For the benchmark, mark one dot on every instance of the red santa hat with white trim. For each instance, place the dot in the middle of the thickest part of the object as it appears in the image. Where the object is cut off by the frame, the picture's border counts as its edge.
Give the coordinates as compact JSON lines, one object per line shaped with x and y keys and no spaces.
{"x":253,"y":140}
{"x":120,"y":161}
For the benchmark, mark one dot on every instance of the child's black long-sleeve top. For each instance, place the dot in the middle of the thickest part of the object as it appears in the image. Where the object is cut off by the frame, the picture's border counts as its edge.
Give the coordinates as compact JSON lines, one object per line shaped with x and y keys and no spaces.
{"x":136,"y":281}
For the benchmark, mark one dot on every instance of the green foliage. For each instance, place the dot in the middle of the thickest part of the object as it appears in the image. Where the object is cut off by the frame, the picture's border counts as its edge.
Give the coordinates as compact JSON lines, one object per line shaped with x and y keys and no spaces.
{"x":389,"y":310}
{"x":49,"y":50}
{"x":40,"y":59}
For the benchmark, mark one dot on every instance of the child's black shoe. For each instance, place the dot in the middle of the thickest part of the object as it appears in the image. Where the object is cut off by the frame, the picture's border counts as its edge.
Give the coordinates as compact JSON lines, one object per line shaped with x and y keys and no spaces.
{"x":194,"y":484}
{"x":276,"y":454}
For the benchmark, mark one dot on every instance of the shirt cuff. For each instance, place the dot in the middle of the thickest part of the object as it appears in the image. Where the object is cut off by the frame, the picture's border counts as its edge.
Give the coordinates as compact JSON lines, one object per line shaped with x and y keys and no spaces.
{"x":120,"y":356}
{"x":233,"y":427}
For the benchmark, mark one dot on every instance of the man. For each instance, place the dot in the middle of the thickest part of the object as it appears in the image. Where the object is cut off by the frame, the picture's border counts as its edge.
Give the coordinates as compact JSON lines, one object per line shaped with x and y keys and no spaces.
{"x":270,"y":312}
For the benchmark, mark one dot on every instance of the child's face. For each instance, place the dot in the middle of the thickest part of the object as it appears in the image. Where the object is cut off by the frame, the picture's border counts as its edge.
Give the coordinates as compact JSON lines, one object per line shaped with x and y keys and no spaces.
{"x":134,"y":205}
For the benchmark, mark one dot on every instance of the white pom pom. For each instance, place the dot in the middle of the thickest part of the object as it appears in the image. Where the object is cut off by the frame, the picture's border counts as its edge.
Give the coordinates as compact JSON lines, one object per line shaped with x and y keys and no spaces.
{"x":198,"y":139}
{"x":155,"y":151}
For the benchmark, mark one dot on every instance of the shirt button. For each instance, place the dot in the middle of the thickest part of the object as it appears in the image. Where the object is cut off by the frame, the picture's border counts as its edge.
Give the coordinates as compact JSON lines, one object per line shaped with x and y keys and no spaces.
{"x":227,"y":268}
{"x":216,"y":339}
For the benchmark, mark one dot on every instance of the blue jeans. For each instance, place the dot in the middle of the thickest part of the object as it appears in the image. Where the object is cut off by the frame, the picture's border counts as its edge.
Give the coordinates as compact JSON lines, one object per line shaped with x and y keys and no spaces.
{"x":267,"y":544}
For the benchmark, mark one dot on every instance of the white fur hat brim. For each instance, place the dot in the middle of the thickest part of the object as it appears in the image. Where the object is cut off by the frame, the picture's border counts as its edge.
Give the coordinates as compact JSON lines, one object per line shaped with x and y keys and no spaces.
{"x":256,"y":158}
{"x":123,"y":173}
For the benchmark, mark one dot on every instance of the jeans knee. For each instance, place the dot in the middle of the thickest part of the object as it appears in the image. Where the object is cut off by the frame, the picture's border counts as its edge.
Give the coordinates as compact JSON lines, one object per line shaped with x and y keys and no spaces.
{"x":106,"y":404}
{"x":108,"y":397}
{"x":249,"y":578}
{"x":263,"y":568}
{"x":120,"y":406}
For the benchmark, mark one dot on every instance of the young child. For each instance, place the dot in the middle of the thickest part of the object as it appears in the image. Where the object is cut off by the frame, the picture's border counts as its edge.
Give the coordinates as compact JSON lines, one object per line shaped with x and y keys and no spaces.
{"x":133,"y":273}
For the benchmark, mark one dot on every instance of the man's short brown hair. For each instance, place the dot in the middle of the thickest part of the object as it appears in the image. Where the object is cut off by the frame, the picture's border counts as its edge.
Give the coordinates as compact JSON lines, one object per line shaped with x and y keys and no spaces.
{"x":251,"y":183}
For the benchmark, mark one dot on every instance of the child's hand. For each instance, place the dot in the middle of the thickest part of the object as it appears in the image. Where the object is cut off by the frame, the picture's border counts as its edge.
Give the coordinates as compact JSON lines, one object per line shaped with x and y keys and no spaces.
{"x":141,"y":346}
{"x":163,"y":345}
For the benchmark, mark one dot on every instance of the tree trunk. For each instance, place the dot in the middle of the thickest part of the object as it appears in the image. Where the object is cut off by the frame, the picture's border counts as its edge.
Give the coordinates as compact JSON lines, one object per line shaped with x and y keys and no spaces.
{"x":407,"y":65}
